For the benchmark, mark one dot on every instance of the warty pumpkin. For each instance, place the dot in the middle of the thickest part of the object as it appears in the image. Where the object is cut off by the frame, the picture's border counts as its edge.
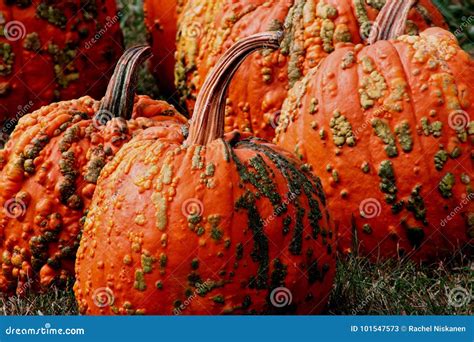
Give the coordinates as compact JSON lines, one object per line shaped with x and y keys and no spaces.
{"x":214,"y":224}
{"x":49,"y":169}
{"x":389,"y":129}
{"x":161,"y":17}
{"x":313,"y":29}
{"x":55,"y":50}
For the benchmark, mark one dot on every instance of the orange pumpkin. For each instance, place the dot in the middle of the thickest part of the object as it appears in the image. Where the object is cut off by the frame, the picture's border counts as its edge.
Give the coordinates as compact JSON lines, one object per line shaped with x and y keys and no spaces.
{"x":49,"y":169}
{"x":212,"y":224}
{"x":313,"y":29}
{"x":55,"y":50}
{"x":388,"y":127}
{"x":161,"y":18}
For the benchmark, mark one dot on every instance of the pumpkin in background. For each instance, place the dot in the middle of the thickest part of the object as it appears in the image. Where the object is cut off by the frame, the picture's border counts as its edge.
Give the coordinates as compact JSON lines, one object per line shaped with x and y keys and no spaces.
{"x":55,"y":50}
{"x":211,"y":225}
{"x":314,"y":27}
{"x":161,"y":18}
{"x":389,"y":129}
{"x":49,"y":169}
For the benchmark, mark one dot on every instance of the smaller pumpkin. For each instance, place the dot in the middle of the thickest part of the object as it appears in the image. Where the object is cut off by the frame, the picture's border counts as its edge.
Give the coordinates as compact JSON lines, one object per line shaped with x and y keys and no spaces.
{"x":213,"y":224}
{"x":393,"y":124}
{"x":49,"y":169}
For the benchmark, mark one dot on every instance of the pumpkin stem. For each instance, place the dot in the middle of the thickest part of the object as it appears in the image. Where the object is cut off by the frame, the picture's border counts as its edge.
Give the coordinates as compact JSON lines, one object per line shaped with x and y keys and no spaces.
{"x":119,"y":98}
{"x":391,"y":21}
{"x":207,"y":123}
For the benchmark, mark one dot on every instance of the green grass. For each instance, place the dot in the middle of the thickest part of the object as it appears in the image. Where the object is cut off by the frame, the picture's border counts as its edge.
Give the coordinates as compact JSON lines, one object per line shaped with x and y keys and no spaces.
{"x":397,"y":287}
{"x":389,"y":288}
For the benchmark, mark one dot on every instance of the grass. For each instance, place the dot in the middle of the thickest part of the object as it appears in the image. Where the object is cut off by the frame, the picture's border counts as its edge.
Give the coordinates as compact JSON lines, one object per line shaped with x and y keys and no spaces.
{"x":401,"y":287}
{"x":395,"y":287}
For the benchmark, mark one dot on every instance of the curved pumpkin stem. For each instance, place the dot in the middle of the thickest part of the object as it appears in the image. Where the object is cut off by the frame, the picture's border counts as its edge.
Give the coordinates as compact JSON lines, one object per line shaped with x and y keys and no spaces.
{"x":120,"y":95}
{"x":391,"y":20}
{"x":209,"y":113}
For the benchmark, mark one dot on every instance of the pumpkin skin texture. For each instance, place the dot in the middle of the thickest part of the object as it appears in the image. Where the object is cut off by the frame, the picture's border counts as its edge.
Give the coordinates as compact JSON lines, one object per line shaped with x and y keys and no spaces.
{"x":313,"y":28}
{"x":398,"y":163}
{"x":161,"y":17}
{"x":48,"y":173}
{"x":225,"y":221}
{"x":53,"y":55}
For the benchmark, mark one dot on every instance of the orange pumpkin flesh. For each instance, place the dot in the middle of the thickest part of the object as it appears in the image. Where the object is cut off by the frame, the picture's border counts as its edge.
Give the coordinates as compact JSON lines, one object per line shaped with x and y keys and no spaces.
{"x":212,"y":224}
{"x":207,"y":28}
{"x":161,"y":18}
{"x":48,"y":172}
{"x":53,"y":51}
{"x":398,"y":162}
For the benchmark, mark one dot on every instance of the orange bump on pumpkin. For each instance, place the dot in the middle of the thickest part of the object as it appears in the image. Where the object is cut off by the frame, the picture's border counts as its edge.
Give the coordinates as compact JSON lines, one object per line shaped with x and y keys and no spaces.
{"x":49,"y":168}
{"x":213,"y":224}
{"x":313,"y":29}
{"x":397,"y":133}
{"x":55,"y":50}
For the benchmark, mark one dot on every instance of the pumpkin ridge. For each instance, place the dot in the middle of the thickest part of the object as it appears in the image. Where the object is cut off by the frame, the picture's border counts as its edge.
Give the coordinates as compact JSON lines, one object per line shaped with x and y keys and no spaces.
{"x":415,"y":117}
